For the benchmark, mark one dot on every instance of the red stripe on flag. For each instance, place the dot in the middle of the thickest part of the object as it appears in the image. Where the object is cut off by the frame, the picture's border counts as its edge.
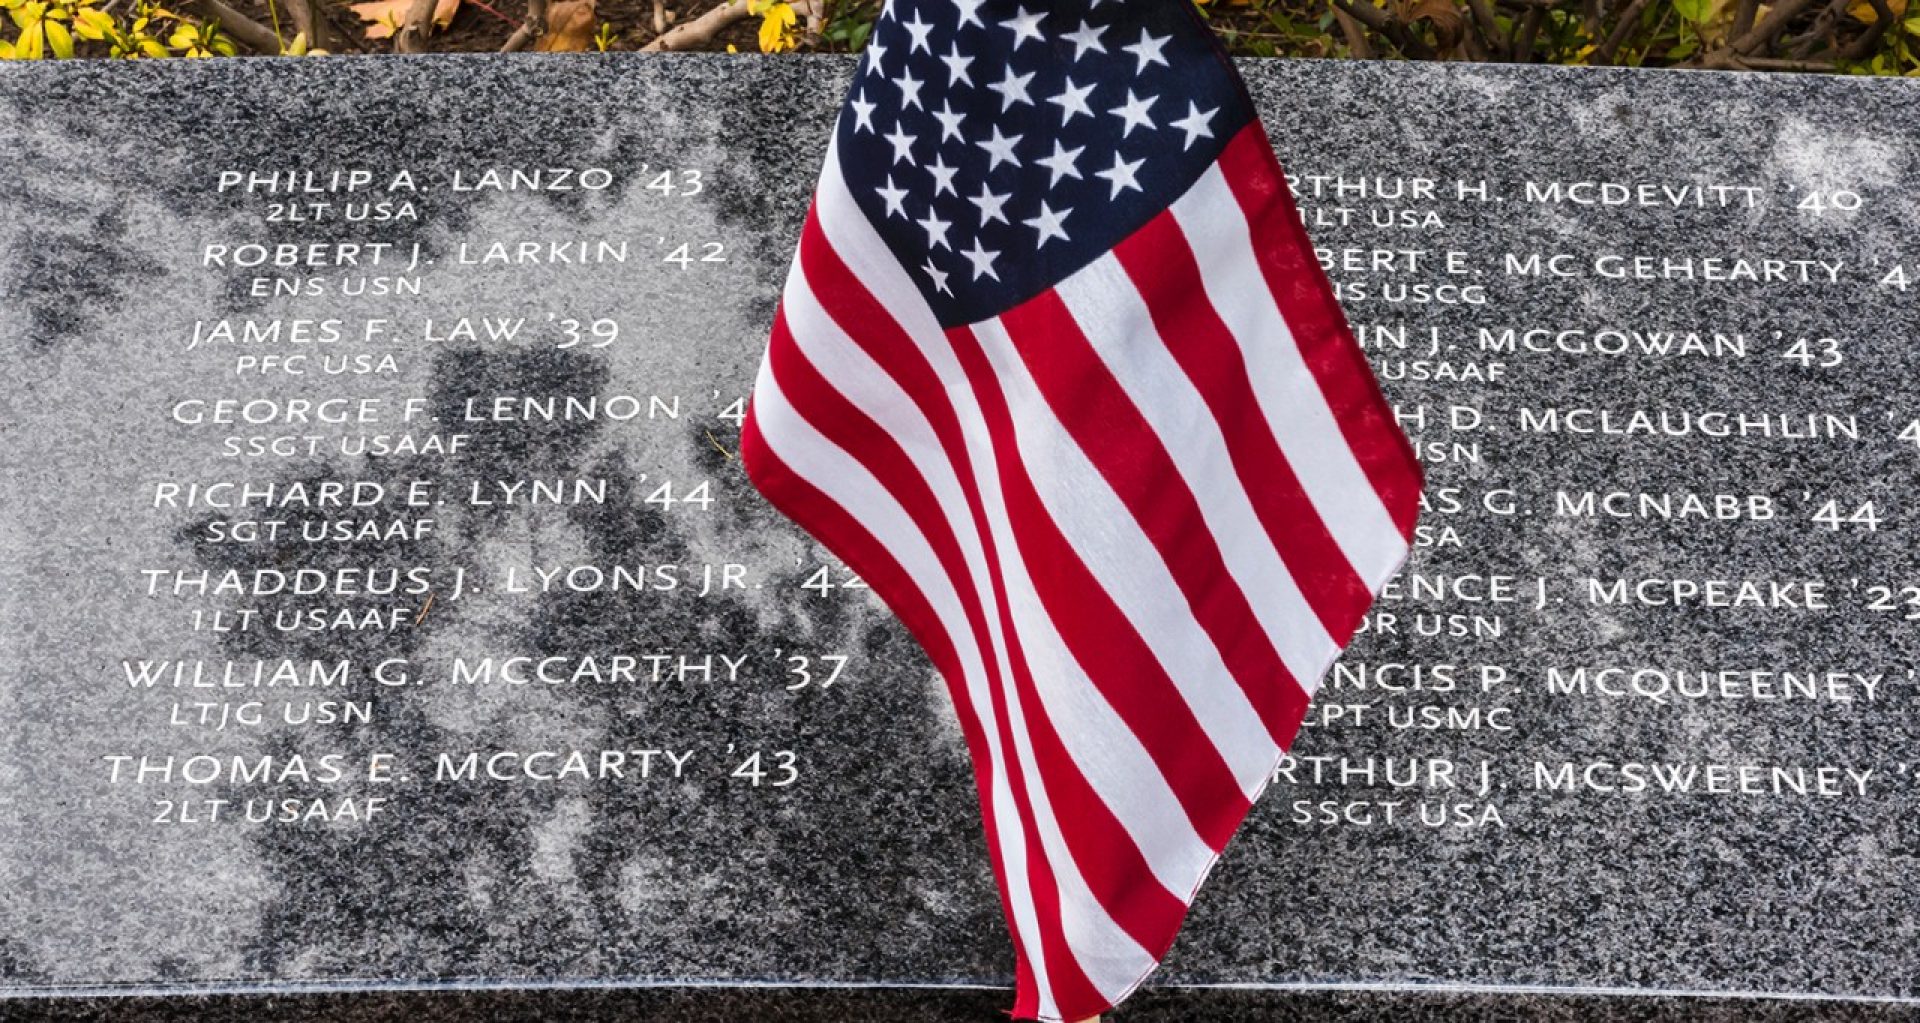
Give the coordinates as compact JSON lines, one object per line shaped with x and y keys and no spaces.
{"x":850,"y":541}
{"x":1319,"y":327}
{"x":1075,"y":996}
{"x":1157,"y":714}
{"x":1163,"y":268}
{"x":841,"y":422}
{"x":874,"y":329}
{"x":843,"y":534}
{"x":1106,"y":854}
{"x":870,"y":325}
{"x":1093,"y":407}
{"x":1106,"y":645}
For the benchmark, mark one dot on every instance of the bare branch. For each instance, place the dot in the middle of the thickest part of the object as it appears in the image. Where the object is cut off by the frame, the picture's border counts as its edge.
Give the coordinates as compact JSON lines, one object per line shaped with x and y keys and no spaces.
{"x":1776,"y":64}
{"x":1475,"y":49}
{"x":1356,"y":36}
{"x":816,"y":14}
{"x":1862,"y":46}
{"x":1773,"y":24}
{"x":1385,"y":24}
{"x":1366,"y":14}
{"x":1621,"y":30}
{"x":1732,"y":55}
{"x":530,"y":30}
{"x":414,"y":29}
{"x":1824,"y":30}
{"x":309,"y":22}
{"x":248,"y":32}
{"x":701,"y":30}
{"x":1528,"y":32}
{"x":1489,"y":26}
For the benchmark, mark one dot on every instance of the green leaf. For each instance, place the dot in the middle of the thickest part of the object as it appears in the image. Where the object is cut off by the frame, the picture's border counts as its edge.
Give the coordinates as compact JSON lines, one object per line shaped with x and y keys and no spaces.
{"x":1695,"y":11}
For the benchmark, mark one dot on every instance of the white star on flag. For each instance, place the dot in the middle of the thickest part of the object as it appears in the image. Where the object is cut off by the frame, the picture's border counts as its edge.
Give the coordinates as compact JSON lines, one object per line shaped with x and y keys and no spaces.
{"x":1133,"y":113}
{"x":957,"y":64}
{"x":1025,"y":26}
{"x":863,"y":113}
{"x":1085,"y":38}
{"x":1049,"y":224}
{"x":1061,"y":163}
{"x":1073,"y":101}
{"x":991,"y":205}
{"x":1147,"y":50}
{"x":982,"y":260}
{"x":902,"y":145}
{"x":1195,"y":124}
{"x":1122,"y":174}
{"x":1013,"y":89}
{"x":999,"y":149}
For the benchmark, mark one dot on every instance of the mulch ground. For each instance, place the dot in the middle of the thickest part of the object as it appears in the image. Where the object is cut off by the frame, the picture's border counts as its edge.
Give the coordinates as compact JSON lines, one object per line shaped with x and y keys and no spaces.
{"x":481,"y":26}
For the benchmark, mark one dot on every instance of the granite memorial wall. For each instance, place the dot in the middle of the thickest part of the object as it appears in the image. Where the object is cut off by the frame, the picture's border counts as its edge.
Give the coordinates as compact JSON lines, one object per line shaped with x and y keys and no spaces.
{"x":383,"y":604}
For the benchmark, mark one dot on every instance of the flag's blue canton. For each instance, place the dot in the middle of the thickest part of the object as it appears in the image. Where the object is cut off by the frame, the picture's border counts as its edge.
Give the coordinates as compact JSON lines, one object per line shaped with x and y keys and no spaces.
{"x":1001,"y":145}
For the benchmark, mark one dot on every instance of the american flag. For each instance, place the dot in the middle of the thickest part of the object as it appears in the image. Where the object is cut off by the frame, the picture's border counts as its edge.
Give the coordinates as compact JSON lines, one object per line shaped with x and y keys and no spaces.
{"x":1056,"y":372}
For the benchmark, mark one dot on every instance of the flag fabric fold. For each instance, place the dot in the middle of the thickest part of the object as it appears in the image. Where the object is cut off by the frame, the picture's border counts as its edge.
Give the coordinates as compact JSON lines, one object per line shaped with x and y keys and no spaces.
{"x":1057,"y":373}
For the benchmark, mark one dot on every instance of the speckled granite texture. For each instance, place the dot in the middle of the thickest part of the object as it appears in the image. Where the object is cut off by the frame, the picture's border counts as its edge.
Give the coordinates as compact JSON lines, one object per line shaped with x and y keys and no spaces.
{"x":870,"y":868}
{"x":1153,"y":1005}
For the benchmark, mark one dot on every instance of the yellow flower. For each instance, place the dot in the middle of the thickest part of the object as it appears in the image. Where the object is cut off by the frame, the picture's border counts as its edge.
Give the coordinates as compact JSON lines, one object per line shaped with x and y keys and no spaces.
{"x":777,"y":28}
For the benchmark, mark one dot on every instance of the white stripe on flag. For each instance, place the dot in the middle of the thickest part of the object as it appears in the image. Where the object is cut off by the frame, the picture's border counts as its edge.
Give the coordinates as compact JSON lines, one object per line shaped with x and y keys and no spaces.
{"x":1108,"y":754}
{"x":1289,"y":394}
{"x":1115,"y":320}
{"x":841,"y":477}
{"x":1109,"y":957}
{"x":867,"y":256}
{"x":1094,"y":519}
